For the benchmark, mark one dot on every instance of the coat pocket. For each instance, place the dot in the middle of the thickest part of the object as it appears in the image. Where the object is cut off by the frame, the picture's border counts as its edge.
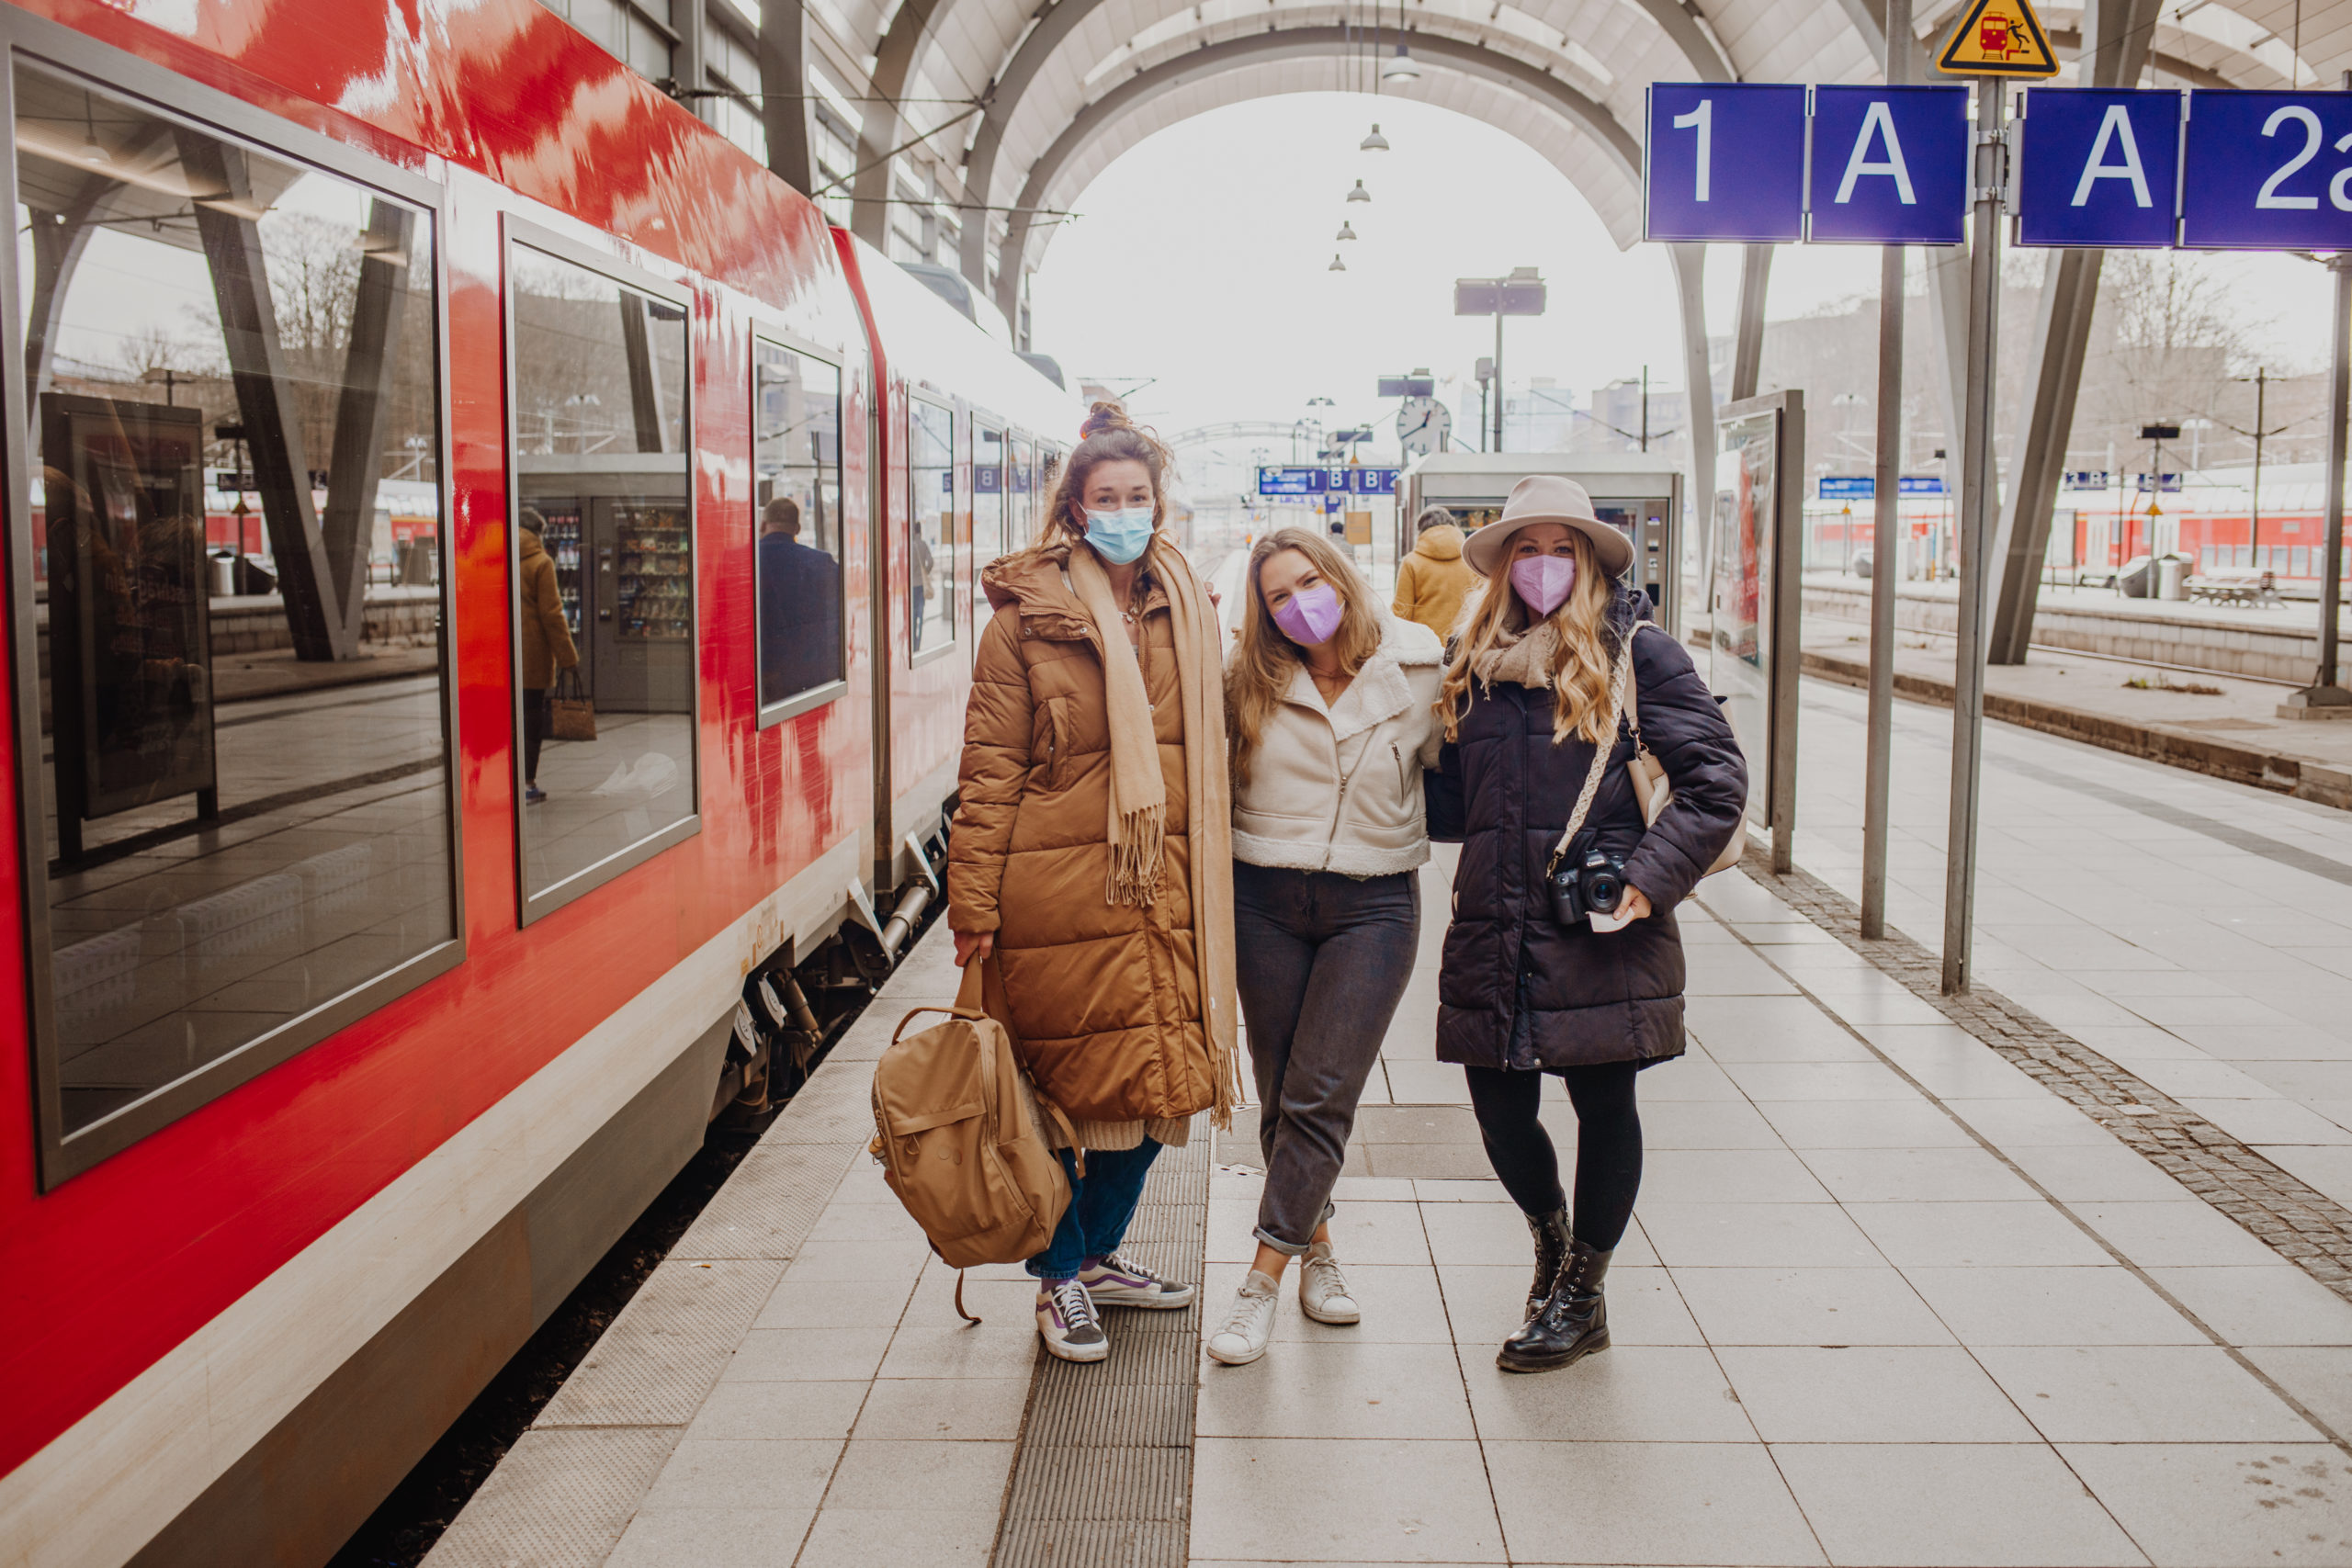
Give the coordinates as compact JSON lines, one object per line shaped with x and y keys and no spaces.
{"x":1050,"y":742}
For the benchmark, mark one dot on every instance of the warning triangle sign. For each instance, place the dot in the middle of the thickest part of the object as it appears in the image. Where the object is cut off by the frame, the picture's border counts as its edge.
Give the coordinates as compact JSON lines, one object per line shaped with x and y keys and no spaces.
{"x":1999,"y":38}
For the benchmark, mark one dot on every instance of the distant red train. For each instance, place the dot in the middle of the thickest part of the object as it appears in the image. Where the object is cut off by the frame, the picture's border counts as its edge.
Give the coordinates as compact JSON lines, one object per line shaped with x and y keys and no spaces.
{"x":379,"y":940}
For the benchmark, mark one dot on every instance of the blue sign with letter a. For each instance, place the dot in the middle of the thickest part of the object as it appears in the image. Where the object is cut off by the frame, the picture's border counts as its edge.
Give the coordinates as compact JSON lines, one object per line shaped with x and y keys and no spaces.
{"x":2268,"y":171}
{"x":1723,"y":161}
{"x":2098,"y":168}
{"x":1889,"y":165}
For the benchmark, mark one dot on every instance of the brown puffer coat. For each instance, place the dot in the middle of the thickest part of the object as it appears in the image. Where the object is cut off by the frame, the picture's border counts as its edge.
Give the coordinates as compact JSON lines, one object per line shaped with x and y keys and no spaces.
{"x":1105,"y":999}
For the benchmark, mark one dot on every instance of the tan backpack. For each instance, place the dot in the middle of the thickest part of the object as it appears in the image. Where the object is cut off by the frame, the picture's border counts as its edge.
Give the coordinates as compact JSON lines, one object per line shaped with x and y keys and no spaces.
{"x":957,"y":1130}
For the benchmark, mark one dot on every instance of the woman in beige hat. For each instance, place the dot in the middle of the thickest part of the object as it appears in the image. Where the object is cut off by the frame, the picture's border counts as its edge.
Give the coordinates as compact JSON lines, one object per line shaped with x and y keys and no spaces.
{"x":1589,"y":986}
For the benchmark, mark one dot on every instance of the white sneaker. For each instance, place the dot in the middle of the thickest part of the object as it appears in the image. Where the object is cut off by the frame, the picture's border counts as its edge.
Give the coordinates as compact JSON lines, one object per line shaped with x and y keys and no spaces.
{"x":1068,"y":1324}
{"x":1243,"y":1338}
{"x":1323,"y":1289}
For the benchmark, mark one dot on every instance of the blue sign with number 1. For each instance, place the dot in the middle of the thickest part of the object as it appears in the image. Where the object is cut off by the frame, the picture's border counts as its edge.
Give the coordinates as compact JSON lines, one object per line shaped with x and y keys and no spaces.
{"x":1724,"y":162}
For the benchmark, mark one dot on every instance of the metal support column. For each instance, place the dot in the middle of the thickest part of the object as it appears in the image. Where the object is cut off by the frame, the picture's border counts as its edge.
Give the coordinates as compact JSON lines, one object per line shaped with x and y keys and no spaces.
{"x":1977,"y":517}
{"x":1690,"y":286}
{"x":1747,"y":347}
{"x":2326,"y":692}
{"x":784,"y":88}
{"x":2115,"y":47}
{"x":1886,"y":538}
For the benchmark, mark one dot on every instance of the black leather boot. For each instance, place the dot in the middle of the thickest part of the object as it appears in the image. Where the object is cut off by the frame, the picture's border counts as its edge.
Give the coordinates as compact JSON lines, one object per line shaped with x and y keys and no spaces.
{"x":1573,"y":1323}
{"x":1552,"y":1238}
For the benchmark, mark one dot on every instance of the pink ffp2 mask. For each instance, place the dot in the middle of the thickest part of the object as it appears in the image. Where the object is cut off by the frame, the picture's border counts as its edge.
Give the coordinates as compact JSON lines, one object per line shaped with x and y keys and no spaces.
{"x":1543,"y":582}
{"x":1310,"y":615}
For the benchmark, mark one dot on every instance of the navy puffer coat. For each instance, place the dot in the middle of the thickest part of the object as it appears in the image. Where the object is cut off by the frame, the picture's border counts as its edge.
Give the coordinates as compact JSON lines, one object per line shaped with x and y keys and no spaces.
{"x":1518,"y":989}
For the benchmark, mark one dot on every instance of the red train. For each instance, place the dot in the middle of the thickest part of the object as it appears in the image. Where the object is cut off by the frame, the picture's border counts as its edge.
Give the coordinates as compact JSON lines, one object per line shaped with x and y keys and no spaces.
{"x":374,"y":969}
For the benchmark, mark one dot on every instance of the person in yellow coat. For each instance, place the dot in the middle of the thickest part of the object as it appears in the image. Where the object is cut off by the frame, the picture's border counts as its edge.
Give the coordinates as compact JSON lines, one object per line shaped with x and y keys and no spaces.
{"x":1433,"y":581}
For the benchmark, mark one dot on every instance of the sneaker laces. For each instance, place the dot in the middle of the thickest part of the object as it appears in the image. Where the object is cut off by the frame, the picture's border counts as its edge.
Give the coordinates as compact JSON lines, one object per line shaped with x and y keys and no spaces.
{"x":1119,"y":1263}
{"x":1248,"y":1306}
{"x":1326,"y":1272}
{"x":1074,"y":1306}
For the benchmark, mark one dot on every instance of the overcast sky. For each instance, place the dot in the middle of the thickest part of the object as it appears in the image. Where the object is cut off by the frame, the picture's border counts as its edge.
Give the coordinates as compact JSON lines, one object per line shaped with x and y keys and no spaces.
{"x":1201,"y":259}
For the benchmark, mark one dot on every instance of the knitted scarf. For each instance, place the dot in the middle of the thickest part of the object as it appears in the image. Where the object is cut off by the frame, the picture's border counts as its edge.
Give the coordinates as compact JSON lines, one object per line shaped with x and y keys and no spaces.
{"x":1138,"y":816}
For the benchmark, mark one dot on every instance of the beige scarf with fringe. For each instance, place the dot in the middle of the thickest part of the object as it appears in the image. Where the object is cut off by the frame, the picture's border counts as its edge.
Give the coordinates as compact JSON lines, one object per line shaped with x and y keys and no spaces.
{"x":1138,"y":817}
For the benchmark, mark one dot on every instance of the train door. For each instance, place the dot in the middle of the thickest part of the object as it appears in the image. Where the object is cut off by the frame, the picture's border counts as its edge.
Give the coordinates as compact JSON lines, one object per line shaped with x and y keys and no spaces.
{"x":991,"y":498}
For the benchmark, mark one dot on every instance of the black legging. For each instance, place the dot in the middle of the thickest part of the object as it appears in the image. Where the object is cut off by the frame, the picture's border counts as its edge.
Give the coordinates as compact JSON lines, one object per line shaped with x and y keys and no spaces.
{"x":1609,"y":1145}
{"x":535,"y":730}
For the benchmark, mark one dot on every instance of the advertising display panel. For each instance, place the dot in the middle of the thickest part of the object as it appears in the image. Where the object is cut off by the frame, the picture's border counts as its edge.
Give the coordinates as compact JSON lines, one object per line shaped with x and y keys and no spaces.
{"x":1753,"y":661}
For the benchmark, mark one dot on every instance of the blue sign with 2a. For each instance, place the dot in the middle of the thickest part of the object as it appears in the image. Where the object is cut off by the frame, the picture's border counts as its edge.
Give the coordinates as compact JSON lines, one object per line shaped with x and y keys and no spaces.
{"x":2098,"y":167}
{"x":1889,"y":165}
{"x":2268,"y":171}
{"x":1723,"y":161}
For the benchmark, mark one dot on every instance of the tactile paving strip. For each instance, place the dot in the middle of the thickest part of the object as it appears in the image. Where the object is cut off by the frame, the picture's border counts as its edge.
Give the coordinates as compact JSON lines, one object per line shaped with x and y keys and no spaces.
{"x":2298,"y":1223}
{"x":657,"y":1362}
{"x":558,"y":1499}
{"x":1104,"y":1470}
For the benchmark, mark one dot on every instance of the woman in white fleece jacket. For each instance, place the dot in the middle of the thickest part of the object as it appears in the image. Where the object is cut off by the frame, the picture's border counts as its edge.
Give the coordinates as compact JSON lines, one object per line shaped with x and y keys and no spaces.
{"x":1331,"y":719}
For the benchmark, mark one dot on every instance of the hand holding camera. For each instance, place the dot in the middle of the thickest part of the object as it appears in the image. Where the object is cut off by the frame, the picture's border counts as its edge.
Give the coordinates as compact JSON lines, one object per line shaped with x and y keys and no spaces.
{"x":1594,"y":889}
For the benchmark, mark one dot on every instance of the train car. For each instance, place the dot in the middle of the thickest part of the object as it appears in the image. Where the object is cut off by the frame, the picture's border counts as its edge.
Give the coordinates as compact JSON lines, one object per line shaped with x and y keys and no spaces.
{"x":375,"y":972}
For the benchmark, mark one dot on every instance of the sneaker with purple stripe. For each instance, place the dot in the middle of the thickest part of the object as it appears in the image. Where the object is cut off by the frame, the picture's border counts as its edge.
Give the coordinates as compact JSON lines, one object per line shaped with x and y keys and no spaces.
{"x":1122,"y":1281}
{"x":1068,"y":1323}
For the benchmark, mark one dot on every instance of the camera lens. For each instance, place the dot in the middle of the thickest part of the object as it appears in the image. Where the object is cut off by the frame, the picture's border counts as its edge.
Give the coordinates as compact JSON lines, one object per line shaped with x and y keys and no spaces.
{"x":1602,"y":889}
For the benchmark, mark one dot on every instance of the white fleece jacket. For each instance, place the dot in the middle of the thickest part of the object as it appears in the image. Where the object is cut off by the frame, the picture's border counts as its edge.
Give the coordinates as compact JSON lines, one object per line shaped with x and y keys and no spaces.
{"x":1338,"y":788}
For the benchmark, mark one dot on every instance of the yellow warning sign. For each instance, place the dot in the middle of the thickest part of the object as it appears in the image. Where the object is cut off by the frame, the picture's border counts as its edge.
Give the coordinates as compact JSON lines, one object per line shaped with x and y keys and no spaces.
{"x":1999,"y":38}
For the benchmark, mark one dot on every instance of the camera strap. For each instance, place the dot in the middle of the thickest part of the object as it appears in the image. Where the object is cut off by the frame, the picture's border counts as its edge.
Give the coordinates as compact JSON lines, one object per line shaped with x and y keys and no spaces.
{"x":1617,"y":683}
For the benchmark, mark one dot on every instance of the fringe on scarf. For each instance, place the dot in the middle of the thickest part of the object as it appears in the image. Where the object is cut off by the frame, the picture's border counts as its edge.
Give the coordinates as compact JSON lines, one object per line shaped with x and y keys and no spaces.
{"x":1136,"y":850}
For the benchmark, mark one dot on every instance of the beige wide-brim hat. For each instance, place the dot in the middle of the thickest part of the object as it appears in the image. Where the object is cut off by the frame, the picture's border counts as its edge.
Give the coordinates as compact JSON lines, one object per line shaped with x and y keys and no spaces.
{"x":1547,"y":498}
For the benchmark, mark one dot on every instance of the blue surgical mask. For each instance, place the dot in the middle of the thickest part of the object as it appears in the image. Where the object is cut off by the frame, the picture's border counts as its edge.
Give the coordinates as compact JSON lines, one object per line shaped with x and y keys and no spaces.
{"x":1120,"y":536}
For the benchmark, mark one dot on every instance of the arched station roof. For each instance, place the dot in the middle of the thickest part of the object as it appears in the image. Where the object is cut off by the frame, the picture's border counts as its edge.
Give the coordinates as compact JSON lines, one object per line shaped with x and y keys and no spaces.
{"x":1062,"y":88}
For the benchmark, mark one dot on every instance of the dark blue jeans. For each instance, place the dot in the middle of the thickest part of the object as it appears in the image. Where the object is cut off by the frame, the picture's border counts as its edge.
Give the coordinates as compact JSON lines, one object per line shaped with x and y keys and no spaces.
{"x":1321,"y":961}
{"x":1102,"y":1202}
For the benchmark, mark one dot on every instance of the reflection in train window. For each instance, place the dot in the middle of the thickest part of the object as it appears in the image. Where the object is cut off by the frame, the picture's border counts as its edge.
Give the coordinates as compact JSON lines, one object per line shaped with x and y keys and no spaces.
{"x":1021,"y":496}
{"x":798,"y":477}
{"x":603,"y":573}
{"x":234,"y":547}
{"x":931,"y":525}
{"x":990,"y":496}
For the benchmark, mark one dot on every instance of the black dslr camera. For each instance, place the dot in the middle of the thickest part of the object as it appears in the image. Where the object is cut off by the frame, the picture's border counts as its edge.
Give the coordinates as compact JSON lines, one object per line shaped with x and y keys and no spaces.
{"x":1595,"y":885}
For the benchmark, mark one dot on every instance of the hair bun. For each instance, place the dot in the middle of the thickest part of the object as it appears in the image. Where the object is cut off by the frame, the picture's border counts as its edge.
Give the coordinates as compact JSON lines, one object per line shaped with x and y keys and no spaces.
{"x":1105,"y":416}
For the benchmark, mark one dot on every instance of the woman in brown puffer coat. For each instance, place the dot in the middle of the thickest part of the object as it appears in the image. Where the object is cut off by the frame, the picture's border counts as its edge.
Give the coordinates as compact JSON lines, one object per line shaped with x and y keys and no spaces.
{"x":1091,"y":862}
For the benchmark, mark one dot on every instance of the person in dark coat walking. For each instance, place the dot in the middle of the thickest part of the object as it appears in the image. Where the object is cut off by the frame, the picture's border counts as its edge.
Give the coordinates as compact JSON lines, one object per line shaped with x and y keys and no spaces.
{"x":1530,"y":691}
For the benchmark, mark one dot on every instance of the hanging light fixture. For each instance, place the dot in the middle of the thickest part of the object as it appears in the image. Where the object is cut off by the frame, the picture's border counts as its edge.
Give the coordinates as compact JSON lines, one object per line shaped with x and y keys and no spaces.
{"x":93,"y":151}
{"x":1401,"y":68}
{"x":1358,"y":193}
{"x":1376,"y":142}
{"x":1337,"y":265}
{"x":1347,"y":231}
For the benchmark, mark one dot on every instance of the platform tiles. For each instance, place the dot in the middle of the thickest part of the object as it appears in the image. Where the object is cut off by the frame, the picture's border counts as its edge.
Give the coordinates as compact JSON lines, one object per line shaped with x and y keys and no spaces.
{"x":1887,"y":1300}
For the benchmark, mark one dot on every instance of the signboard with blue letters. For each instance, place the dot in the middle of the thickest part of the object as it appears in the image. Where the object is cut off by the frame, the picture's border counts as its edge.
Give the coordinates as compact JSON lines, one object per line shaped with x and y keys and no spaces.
{"x":1889,"y":165}
{"x":2086,"y":478}
{"x":2163,"y":482}
{"x":1372,"y":482}
{"x":2098,"y":168}
{"x":1864,"y":487}
{"x":1724,"y":161}
{"x":1919,"y":484}
{"x":1291,"y":480}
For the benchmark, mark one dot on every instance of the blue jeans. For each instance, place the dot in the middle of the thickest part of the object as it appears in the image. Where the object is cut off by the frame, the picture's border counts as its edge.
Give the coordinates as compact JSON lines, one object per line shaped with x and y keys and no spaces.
{"x":1102,"y":1204}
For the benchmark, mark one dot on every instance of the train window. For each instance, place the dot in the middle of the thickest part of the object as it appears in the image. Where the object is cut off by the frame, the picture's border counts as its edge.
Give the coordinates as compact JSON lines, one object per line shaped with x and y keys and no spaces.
{"x":798,"y":560}
{"x":232,"y":533}
{"x":990,"y":486}
{"x":931,"y":527}
{"x":604,"y":574}
{"x":1021,"y":496}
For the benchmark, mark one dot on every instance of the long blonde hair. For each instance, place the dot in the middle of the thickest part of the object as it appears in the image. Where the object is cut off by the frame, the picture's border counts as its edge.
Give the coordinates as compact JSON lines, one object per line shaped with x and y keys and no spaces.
{"x":1260,"y":673}
{"x":1581,"y":666}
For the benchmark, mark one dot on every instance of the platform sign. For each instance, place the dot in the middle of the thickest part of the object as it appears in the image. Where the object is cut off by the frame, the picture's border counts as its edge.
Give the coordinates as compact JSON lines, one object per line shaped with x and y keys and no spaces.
{"x":1273,"y":480}
{"x":1999,"y":38}
{"x":2163,"y":482}
{"x":1889,"y":165}
{"x":2267,"y":171}
{"x":1848,"y":487}
{"x":2086,"y":478}
{"x":1372,"y":482}
{"x":1919,"y":484}
{"x":2099,"y":168}
{"x":1723,"y":161}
